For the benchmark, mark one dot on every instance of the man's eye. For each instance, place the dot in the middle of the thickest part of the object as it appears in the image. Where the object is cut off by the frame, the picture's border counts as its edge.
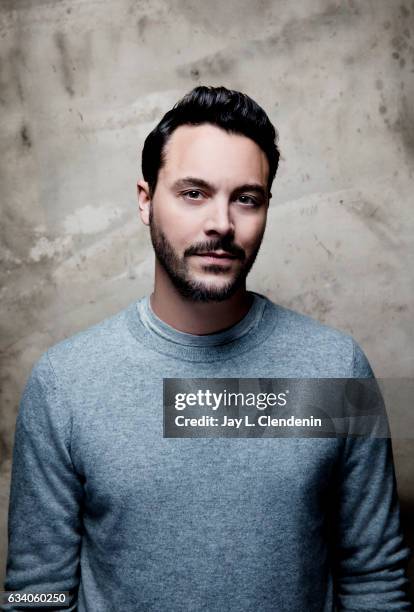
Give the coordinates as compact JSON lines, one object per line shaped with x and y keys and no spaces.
{"x":193,"y":194}
{"x":249,"y":200}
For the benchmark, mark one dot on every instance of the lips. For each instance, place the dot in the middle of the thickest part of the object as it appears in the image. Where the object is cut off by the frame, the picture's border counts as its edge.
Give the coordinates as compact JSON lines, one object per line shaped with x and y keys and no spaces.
{"x":217,"y":255}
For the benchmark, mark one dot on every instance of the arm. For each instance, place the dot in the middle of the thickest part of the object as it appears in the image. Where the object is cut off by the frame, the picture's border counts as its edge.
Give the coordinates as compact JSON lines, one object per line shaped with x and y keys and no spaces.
{"x":46,"y":494}
{"x":370,"y":555}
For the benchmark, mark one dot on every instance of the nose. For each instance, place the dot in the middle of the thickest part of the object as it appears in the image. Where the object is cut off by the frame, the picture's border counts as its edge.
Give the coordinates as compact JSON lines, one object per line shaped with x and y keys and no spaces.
{"x":218,"y":218}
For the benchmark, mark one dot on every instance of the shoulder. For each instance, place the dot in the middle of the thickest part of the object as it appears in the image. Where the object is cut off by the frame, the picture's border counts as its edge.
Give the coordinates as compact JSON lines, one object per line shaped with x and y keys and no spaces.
{"x":97,"y":347}
{"x":326,"y":349}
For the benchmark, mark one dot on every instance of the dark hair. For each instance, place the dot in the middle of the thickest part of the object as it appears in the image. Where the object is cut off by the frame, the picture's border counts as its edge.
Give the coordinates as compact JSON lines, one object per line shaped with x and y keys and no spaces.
{"x":233,"y":111}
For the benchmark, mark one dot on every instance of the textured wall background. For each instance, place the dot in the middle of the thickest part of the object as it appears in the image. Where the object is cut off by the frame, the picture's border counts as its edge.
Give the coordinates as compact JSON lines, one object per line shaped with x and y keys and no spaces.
{"x":81,"y":84}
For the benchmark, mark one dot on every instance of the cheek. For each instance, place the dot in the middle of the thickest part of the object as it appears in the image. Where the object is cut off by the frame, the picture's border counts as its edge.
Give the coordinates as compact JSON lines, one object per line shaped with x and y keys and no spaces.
{"x":181,"y":231}
{"x":172,"y":221}
{"x":251,"y":232}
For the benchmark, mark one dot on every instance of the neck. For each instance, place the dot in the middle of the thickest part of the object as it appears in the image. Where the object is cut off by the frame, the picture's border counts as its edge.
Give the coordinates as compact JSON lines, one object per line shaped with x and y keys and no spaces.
{"x":197,"y":318}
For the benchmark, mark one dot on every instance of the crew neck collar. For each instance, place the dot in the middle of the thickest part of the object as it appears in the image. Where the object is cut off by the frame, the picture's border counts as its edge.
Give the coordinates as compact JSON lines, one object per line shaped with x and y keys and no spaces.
{"x":166,"y":331}
{"x":157,"y":335}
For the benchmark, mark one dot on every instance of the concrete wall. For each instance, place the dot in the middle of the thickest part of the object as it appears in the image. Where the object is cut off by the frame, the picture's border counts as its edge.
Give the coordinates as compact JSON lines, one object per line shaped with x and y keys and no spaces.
{"x":81,"y":84}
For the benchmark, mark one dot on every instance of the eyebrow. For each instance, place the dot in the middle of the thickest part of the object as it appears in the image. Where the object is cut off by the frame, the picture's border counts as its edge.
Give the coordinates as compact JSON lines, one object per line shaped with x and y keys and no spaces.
{"x":192,"y":181}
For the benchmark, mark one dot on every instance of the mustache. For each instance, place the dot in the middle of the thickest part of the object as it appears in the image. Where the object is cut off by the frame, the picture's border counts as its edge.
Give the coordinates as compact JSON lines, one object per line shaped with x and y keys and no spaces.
{"x":223,"y":244}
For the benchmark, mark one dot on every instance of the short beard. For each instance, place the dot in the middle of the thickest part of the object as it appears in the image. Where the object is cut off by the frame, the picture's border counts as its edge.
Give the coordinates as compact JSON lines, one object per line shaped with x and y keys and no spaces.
{"x":177,"y":268}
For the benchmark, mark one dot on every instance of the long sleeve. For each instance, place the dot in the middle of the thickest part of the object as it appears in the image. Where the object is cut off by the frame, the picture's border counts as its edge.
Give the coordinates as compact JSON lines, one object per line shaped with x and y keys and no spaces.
{"x":371,"y":555}
{"x":45,"y":521}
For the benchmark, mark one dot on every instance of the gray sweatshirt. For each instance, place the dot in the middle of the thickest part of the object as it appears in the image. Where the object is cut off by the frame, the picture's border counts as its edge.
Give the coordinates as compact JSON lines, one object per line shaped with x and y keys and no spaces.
{"x":105,"y":507}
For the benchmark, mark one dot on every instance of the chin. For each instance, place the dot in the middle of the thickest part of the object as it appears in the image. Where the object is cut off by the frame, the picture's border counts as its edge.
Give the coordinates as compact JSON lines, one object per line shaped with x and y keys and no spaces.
{"x":200,"y":290}
{"x":213,"y":284}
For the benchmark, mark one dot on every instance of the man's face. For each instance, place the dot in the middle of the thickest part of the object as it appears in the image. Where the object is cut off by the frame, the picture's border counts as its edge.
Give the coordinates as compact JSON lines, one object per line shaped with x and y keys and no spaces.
{"x":208,"y":213}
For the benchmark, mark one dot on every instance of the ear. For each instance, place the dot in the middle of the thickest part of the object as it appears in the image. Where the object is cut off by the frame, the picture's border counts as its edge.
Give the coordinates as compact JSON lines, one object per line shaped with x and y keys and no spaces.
{"x":144,"y":201}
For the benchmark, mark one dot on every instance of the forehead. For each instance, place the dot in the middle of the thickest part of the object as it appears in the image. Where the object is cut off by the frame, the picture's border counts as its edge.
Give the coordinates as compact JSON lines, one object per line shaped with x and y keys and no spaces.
{"x":209,"y":152}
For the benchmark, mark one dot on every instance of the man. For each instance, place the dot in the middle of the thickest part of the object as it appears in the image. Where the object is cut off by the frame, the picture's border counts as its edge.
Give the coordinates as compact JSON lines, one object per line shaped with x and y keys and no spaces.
{"x":105,"y":507}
